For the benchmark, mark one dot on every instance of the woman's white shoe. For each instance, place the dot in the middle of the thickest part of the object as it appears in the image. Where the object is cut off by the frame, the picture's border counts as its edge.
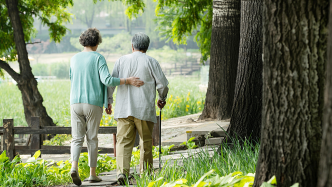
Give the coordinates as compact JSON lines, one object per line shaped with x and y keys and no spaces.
{"x":93,"y":179}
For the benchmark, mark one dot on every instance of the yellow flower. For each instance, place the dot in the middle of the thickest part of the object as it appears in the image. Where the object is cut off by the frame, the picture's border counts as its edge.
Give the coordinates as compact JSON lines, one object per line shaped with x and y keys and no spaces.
{"x":187,"y":98}
{"x":188,"y":93}
{"x":199,"y":108}
{"x":187,"y":106}
{"x":198,"y":102}
{"x":187,"y":110}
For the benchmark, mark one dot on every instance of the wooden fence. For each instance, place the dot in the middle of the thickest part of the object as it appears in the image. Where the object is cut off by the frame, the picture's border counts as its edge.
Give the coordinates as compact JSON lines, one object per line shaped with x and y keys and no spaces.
{"x":8,"y":131}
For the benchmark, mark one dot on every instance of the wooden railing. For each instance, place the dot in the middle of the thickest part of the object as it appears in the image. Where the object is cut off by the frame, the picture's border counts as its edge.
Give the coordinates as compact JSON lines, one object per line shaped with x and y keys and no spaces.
{"x":8,"y":131}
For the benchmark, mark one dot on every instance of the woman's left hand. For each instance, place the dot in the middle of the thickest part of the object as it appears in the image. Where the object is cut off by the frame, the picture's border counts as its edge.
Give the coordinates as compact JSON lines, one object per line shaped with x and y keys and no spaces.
{"x":135,"y":81}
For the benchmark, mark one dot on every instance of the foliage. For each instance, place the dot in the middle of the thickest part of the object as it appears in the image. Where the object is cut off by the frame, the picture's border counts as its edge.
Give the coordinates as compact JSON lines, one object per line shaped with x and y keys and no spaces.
{"x":178,"y":20}
{"x":60,"y":70}
{"x":235,"y":179}
{"x":58,"y":139}
{"x":190,"y":143}
{"x":168,"y":55}
{"x":86,"y":10}
{"x":273,"y":182}
{"x":231,"y":159}
{"x":119,"y":44}
{"x":28,"y":10}
{"x":40,"y":172}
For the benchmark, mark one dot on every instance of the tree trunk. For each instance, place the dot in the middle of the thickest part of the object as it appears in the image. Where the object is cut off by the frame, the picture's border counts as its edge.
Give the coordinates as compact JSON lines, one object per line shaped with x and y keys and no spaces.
{"x":294,"y":50}
{"x":32,"y":100}
{"x":247,"y":107}
{"x":225,"y":39}
{"x":325,"y":164}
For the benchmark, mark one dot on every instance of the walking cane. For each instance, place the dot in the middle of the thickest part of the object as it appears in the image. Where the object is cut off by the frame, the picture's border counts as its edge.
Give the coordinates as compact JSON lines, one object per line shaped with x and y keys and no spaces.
{"x":159,"y":139}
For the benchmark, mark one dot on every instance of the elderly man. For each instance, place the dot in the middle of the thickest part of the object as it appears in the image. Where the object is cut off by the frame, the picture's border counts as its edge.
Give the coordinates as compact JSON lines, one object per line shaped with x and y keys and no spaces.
{"x":135,"y":107}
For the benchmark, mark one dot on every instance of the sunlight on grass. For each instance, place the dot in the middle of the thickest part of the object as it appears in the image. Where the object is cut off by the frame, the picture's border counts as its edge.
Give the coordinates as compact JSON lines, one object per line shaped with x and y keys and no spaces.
{"x":184,"y":98}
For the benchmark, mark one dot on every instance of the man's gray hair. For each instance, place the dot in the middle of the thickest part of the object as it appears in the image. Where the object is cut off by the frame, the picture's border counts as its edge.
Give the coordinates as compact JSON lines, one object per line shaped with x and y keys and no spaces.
{"x":140,"y":41}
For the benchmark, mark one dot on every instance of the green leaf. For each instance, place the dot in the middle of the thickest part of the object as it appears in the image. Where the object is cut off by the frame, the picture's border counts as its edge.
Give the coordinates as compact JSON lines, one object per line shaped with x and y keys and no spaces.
{"x":153,"y":182}
{"x":37,"y":154}
{"x":202,"y":178}
{"x":295,"y":185}
{"x":273,"y":180}
{"x":265,"y":184}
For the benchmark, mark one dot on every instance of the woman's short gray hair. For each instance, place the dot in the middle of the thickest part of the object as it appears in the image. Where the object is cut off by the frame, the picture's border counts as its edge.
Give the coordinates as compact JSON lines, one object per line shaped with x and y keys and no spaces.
{"x":90,"y":37}
{"x":140,"y":41}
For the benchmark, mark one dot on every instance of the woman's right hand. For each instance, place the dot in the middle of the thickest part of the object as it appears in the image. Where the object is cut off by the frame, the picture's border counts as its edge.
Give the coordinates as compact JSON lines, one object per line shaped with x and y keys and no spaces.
{"x":134,"y":81}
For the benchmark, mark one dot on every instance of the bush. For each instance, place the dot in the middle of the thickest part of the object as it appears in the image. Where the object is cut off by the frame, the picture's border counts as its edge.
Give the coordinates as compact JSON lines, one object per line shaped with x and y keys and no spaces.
{"x":60,"y":70}
{"x":40,"y":70}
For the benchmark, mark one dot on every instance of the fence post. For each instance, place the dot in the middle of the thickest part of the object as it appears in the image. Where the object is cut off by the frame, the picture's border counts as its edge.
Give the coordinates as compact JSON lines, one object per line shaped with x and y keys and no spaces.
{"x":2,"y":141}
{"x":8,"y":138}
{"x":35,"y":139}
{"x":155,"y":133}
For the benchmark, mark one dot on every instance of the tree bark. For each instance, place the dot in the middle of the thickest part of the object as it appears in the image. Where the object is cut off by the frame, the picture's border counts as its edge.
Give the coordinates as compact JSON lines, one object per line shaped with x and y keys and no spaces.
{"x":26,"y":82}
{"x":247,"y":107}
{"x":325,"y":164}
{"x":225,"y":39}
{"x":294,"y":50}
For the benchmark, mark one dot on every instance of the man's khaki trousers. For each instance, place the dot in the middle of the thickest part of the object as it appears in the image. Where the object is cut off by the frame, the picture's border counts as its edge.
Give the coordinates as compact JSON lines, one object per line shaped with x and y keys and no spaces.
{"x":126,"y":134}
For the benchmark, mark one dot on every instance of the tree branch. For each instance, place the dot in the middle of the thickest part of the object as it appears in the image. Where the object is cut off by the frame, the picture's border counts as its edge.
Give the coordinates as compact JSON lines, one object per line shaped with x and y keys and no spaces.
{"x":33,"y":43}
{"x":9,"y":70}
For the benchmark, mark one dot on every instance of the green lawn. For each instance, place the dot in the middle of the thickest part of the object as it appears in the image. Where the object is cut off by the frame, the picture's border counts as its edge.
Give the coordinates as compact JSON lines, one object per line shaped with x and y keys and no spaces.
{"x":184,"y":98}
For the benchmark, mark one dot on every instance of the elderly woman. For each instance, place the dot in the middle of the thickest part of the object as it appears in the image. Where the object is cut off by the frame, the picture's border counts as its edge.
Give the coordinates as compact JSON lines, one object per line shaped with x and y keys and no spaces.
{"x":90,"y":78}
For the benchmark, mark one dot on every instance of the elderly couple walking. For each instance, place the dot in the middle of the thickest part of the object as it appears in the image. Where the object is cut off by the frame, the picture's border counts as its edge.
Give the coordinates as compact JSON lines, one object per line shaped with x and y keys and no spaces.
{"x":137,"y":76}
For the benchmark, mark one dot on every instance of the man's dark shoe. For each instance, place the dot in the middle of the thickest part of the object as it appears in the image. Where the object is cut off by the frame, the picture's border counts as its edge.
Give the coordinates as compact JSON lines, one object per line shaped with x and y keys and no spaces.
{"x":122,"y":179}
{"x":75,"y":177}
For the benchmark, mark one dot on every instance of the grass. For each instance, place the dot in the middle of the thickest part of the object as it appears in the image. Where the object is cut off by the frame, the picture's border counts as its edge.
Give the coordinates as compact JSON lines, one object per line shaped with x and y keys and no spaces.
{"x":189,"y":170}
{"x":237,"y":158}
{"x":184,"y":99}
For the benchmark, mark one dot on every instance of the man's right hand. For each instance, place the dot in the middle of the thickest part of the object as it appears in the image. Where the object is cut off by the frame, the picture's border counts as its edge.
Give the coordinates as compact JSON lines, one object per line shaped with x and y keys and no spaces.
{"x":161,"y":104}
{"x":134,"y":81}
{"x":108,"y":110}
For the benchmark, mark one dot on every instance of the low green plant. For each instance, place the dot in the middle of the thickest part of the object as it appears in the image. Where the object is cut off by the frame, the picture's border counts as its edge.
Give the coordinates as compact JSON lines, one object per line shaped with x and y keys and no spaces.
{"x":40,"y":172}
{"x":59,"y":69}
{"x":58,"y":140}
{"x":235,"y":179}
{"x":273,"y":183}
{"x":190,"y":143}
{"x":239,"y":157}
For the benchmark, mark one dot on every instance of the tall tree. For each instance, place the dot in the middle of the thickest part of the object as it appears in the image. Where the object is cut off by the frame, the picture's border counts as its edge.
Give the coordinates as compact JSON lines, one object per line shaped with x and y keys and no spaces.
{"x":14,"y":35}
{"x":247,"y":106}
{"x":294,"y":49}
{"x":86,"y":10}
{"x":179,"y":19}
{"x":224,"y":59}
{"x":325,"y":164}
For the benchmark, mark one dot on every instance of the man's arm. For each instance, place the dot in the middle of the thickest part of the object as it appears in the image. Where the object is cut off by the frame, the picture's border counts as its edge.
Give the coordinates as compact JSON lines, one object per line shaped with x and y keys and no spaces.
{"x":161,"y":81}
